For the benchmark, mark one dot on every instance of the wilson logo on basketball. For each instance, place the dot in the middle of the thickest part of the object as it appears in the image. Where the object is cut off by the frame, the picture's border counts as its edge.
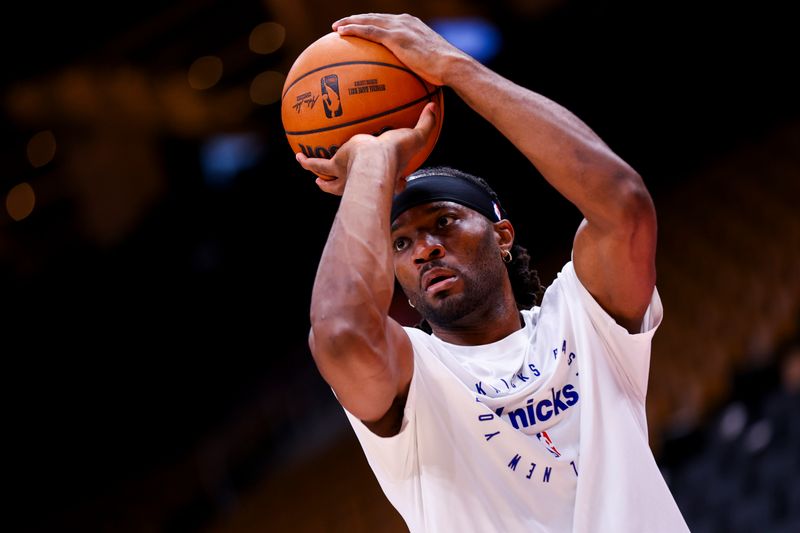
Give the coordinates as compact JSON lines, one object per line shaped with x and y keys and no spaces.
{"x":319,"y":151}
{"x":330,"y":96}
{"x":327,"y":153}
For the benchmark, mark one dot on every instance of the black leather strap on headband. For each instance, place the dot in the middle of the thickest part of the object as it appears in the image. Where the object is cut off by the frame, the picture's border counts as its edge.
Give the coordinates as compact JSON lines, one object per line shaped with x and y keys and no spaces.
{"x":427,"y":189}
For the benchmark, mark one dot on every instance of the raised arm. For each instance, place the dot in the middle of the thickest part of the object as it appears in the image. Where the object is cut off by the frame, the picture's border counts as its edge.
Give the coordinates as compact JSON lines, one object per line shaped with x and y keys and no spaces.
{"x":614,"y":249}
{"x":361,"y":352}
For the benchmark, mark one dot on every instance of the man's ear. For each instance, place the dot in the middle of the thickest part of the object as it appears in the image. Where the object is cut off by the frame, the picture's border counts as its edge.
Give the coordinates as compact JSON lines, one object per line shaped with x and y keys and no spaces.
{"x":504,"y":233}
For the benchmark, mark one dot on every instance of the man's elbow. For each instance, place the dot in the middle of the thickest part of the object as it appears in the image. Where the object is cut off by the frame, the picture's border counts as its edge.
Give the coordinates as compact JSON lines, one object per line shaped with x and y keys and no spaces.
{"x":636,"y":209}
{"x":328,"y":334}
{"x":359,"y":376}
{"x":334,"y":336}
{"x":634,"y":223}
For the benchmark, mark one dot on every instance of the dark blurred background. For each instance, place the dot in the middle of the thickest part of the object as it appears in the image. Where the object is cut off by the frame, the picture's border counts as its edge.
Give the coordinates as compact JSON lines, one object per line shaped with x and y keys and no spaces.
{"x":158,"y":243}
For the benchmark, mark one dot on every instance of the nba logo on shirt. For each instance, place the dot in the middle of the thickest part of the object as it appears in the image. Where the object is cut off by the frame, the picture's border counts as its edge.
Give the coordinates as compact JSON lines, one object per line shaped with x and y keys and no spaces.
{"x":329,"y":86}
{"x":545,"y":439}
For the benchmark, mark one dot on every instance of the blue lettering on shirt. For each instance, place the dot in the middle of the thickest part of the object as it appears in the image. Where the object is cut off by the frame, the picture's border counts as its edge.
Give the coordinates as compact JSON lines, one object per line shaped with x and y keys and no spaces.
{"x":518,"y":415}
{"x":540,"y":414}
{"x":558,"y":404}
{"x":562,"y":399}
{"x":530,"y":472}
{"x":533,"y":411}
{"x":570,"y":394}
{"x":490,"y":435}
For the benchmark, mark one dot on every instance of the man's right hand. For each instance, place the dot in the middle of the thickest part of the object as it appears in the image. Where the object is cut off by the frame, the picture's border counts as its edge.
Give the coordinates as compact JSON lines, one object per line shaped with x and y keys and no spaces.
{"x":398,"y":146}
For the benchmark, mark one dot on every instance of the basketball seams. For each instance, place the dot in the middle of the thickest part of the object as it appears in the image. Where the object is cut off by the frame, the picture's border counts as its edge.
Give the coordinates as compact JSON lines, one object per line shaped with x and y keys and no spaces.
{"x":428,"y":96}
{"x":347,"y":71}
{"x":422,"y":82}
{"x":344,"y":63}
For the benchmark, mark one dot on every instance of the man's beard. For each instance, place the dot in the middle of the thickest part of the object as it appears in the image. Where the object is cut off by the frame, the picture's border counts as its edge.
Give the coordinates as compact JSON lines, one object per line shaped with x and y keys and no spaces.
{"x":481,"y":287}
{"x":451,"y":309}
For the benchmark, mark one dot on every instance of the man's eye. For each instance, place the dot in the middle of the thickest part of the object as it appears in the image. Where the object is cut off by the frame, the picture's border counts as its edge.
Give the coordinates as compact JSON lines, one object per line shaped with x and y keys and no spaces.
{"x":400,"y":244}
{"x":444,"y":221}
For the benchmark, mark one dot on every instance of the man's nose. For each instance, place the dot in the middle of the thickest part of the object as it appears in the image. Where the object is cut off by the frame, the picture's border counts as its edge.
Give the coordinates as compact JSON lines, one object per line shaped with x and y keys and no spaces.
{"x":427,"y":249}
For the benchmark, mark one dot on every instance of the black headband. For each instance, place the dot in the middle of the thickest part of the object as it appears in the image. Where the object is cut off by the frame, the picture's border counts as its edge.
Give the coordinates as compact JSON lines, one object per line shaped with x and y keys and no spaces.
{"x":427,"y":189}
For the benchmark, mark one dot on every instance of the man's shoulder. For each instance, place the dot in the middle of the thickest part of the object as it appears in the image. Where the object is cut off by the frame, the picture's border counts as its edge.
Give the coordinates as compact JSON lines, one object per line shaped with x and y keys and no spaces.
{"x":561,"y":284}
{"x":418,"y":336}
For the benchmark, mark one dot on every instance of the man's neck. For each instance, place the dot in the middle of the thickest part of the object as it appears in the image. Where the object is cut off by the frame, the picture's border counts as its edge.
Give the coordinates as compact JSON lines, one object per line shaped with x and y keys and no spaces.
{"x":484,"y":328}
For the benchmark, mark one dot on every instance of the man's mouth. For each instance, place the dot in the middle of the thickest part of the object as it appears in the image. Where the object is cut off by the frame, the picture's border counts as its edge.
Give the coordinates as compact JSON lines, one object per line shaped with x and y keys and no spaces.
{"x":437,"y":279}
{"x":440,"y":283}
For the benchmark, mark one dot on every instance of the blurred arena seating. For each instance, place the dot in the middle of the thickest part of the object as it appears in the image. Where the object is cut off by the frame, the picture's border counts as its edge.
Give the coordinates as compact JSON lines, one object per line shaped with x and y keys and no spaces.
{"x":725,"y":375}
{"x":729,"y":276}
{"x":739,"y":472}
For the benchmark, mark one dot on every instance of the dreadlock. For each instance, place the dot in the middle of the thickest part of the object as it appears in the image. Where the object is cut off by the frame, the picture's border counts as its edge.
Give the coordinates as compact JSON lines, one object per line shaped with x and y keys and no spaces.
{"x":525,"y":282}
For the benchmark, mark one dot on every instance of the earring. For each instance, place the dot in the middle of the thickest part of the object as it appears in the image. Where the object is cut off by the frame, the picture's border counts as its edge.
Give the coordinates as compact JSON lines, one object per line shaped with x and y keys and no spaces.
{"x":412,"y":305}
{"x":506,"y":255}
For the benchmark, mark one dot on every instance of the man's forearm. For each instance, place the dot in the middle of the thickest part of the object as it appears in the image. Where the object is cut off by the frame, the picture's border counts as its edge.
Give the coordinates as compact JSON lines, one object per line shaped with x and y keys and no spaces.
{"x":566,"y":151}
{"x":355,"y":280}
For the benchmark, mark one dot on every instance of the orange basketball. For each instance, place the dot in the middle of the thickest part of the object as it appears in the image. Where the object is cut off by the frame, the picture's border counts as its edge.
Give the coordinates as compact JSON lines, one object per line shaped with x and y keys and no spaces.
{"x":341,"y":86}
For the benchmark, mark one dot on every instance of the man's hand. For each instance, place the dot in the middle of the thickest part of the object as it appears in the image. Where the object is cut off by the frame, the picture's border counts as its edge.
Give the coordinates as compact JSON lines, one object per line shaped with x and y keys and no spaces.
{"x":423,"y":50}
{"x":398,"y":145}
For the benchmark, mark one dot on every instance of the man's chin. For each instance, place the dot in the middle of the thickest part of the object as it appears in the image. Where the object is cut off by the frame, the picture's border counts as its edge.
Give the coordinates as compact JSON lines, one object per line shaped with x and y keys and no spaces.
{"x":445,"y":308}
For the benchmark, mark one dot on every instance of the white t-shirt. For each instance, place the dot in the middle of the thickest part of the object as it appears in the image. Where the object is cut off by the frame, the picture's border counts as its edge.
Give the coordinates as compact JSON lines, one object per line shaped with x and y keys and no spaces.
{"x":542,"y":431}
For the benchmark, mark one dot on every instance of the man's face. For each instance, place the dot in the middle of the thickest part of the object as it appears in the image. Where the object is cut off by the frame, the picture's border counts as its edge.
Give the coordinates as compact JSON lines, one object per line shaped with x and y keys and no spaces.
{"x":447,"y":259}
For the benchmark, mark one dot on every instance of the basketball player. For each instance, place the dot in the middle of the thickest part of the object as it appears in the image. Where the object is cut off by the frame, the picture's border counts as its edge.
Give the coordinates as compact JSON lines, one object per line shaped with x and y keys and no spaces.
{"x":506,"y":416}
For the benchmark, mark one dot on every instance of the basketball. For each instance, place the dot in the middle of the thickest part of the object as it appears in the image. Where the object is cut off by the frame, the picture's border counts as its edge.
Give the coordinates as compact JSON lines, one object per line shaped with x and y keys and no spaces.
{"x":341,"y":86}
